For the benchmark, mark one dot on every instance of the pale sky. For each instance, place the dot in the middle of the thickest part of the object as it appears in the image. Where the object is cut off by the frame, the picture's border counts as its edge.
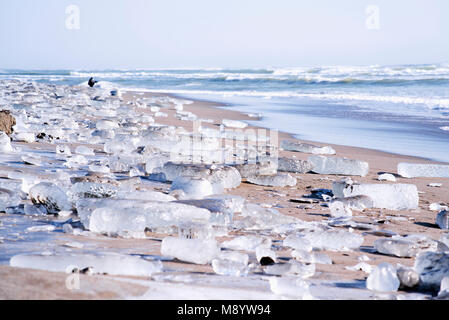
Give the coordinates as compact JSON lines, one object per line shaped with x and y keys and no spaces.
{"x":132,"y":34}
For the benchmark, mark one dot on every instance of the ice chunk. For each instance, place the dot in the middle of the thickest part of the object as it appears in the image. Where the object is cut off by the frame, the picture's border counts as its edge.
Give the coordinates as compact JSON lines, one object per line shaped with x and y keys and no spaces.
{"x":343,"y":207}
{"x":5,"y":143}
{"x":407,"y":276}
{"x":437,"y":207}
{"x":383,"y":278}
{"x":335,"y":240}
{"x":28,"y":137}
{"x":278,"y":180}
{"x":408,"y":246}
{"x":106,"y":125}
{"x":294,"y":165}
{"x":229,"y":267}
{"x":386,"y":177}
{"x":291,"y":287}
{"x":384,"y":196}
{"x":110,"y":263}
{"x":221,"y":177}
{"x":194,"y":188}
{"x":305,"y":147}
{"x":35,"y":210}
{"x":432,"y":267}
{"x":291,"y":268}
{"x":442,"y":219}
{"x":131,"y":218}
{"x":234,"y":124}
{"x":190,"y":250}
{"x":413,"y":170}
{"x":362,"y":266}
{"x":341,"y":166}
{"x":257,"y":218}
{"x":311,"y":257}
{"x":8,"y":198}
{"x":235,"y":256}
{"x":298,"y":243}
{"x":148,"y":195}
{"x":246,"y":243}
{"x":265,"y":255}
{"x":93,"y":190}
{"x":86,"y":151}
{"x":257,"y":169}
{"x":444,"y":287}
{"x":51,"y":196}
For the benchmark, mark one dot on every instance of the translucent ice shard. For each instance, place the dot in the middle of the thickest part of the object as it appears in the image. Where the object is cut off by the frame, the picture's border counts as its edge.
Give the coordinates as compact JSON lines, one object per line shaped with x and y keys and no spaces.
{"x":306,"y":148}
{"x":278,"y":180}
{"x":294,"y":165}
{"x":257,"y":169}
{"x":190,"y":250}
{"x":131,"y":218}
{"x":93,"y":190}
{"x":413,"y":170}
{"x":334,"y":240}
{"x":311,"y":257}
{"x":110,"y":263}
{"x":246,"y":243}
{"x":194,"y":188}
{"x":51,"y":196}
{"x":407,"y":276}
{"x":408,"y":246}
{"x":291,"y":268}
{"x":383,"y":278}
{"x":386,"y":196}
{"x":229,"y":267}
{"x":386,"y":177}
{"x":342,"y":166}
{"x":291,"y":287}
{"x":234,"y":124}
{"x":342,"y":207}
{"x":298,"y":243}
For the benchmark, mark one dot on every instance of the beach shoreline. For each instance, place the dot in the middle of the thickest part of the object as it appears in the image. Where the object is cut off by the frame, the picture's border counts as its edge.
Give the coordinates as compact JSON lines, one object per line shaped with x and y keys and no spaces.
{"x":405,"y":222}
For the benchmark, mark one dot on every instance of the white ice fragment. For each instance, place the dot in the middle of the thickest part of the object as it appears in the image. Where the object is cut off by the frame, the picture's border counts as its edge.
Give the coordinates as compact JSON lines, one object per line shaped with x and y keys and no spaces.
{"x":435,"y":185}
{"x":311,"y":257}
{"x":193,"y":188}
{"x":414,"y":170}
{"x":305,"y":147}
{"x":435,"y":206}
{"x":5,"y":143}
{"x":298,"y":243}
{"x":385,"y":196}
{"x":341,"y":166}
{"x":106,"y":125}
{"x":190,"y":250}
{"x":278,"y":180}
{"x":109,"y":263}
{"x":234,"y":124}
{"x":44,"y":228}
{"x":28,"y":137}
{"x":85,"y":151}
{"x":290,"y":287}
{"x":334,"y":240}
{"x":408,"y":246}
{"x":235,"y":256}
{"x":342,"y":207}
{"x":383,"y":278}
{"x":33,"y":160}
{"x":257,"y":169}
{"x":35,"y":210}
{"x":51,"y":196}
{"x":386,"y":177}
{"x":444,"y":286}
{"x":229,"y":267}
{"x":407,"y":276}
{"x":246,"y":243}
{"x":442,"y":219}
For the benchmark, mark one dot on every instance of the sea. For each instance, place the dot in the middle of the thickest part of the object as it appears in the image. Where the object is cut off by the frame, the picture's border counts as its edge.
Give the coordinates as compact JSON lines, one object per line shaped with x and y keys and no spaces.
{"x":402,"y":109}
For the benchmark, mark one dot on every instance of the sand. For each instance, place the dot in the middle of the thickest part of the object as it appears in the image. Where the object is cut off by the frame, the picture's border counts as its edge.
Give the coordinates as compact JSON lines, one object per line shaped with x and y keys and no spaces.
{"x":35,"y":284}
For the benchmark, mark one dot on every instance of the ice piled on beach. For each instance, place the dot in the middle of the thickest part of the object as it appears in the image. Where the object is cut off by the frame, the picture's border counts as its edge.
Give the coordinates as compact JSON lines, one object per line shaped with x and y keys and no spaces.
{"x":385,"y":196}
{"x":413,"y":170}
{"x":341,"y":166}
{"x":278,"y":180}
